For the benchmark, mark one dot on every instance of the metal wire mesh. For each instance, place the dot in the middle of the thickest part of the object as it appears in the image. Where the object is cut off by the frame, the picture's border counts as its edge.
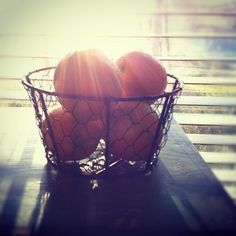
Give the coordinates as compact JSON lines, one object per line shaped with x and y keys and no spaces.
{"x":127,"y":138}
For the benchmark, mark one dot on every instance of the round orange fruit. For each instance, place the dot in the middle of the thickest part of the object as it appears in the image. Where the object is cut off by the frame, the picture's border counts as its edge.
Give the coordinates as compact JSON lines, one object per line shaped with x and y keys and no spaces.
{"x":72,"y":140}
{"x":141,"y":75}
{"x":132,"y":133}
{"x":86,"y":73}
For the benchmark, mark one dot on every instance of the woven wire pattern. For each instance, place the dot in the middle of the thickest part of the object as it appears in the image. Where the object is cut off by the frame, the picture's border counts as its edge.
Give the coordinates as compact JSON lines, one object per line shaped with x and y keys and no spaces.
{"x":127,"y":138}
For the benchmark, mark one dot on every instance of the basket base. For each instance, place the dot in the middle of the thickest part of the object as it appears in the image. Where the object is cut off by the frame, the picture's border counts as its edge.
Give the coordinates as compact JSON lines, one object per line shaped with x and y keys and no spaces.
{"x":96,"y":168}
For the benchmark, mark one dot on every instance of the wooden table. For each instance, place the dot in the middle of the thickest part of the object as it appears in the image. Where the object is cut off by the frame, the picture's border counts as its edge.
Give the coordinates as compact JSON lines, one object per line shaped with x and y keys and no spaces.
{"x":181,"y":196}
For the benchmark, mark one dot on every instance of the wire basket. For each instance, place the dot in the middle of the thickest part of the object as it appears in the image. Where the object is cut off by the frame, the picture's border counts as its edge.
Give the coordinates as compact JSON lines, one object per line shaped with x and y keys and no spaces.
{"x":120,"y":136}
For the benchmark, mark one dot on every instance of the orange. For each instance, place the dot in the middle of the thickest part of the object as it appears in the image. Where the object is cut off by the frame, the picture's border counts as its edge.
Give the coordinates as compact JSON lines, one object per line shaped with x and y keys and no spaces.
{"x":73,"y":140}
{"x":141,"y":75}
{"x":86,"y":73}
{"x":132,"y":133}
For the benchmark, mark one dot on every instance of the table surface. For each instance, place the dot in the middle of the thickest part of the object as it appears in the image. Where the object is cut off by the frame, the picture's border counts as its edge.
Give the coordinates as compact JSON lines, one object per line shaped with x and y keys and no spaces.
{"x":181,"y":195}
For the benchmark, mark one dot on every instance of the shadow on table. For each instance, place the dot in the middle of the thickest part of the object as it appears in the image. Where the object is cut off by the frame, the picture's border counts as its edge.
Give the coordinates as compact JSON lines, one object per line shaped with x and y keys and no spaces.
{"x":69,"y":205}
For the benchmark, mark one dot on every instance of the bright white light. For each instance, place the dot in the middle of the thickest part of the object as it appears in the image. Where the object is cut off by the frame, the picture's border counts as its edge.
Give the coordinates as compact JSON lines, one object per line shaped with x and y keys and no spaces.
{"x":90,"y":22}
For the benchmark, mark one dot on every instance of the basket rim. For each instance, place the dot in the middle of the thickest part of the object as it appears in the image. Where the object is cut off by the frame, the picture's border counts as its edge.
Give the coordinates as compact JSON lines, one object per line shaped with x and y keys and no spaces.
{"x":26,"y":82}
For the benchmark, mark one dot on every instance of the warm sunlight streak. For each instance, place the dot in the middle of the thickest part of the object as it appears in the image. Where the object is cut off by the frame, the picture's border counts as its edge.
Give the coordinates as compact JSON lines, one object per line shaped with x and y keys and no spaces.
{"x":28,"y":203}
{"x":64,"y":28}
{"x":38,"y":159}
{"x":112,"y":47}
{"x":91,"y":26}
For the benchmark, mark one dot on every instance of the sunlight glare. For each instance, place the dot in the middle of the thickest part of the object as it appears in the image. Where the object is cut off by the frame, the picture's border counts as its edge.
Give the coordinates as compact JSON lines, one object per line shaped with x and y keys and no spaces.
{"x":95,"y":27}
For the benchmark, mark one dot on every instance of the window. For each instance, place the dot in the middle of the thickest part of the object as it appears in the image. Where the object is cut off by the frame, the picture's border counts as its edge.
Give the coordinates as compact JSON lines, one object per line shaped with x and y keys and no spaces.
{"x":195,"y":41}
